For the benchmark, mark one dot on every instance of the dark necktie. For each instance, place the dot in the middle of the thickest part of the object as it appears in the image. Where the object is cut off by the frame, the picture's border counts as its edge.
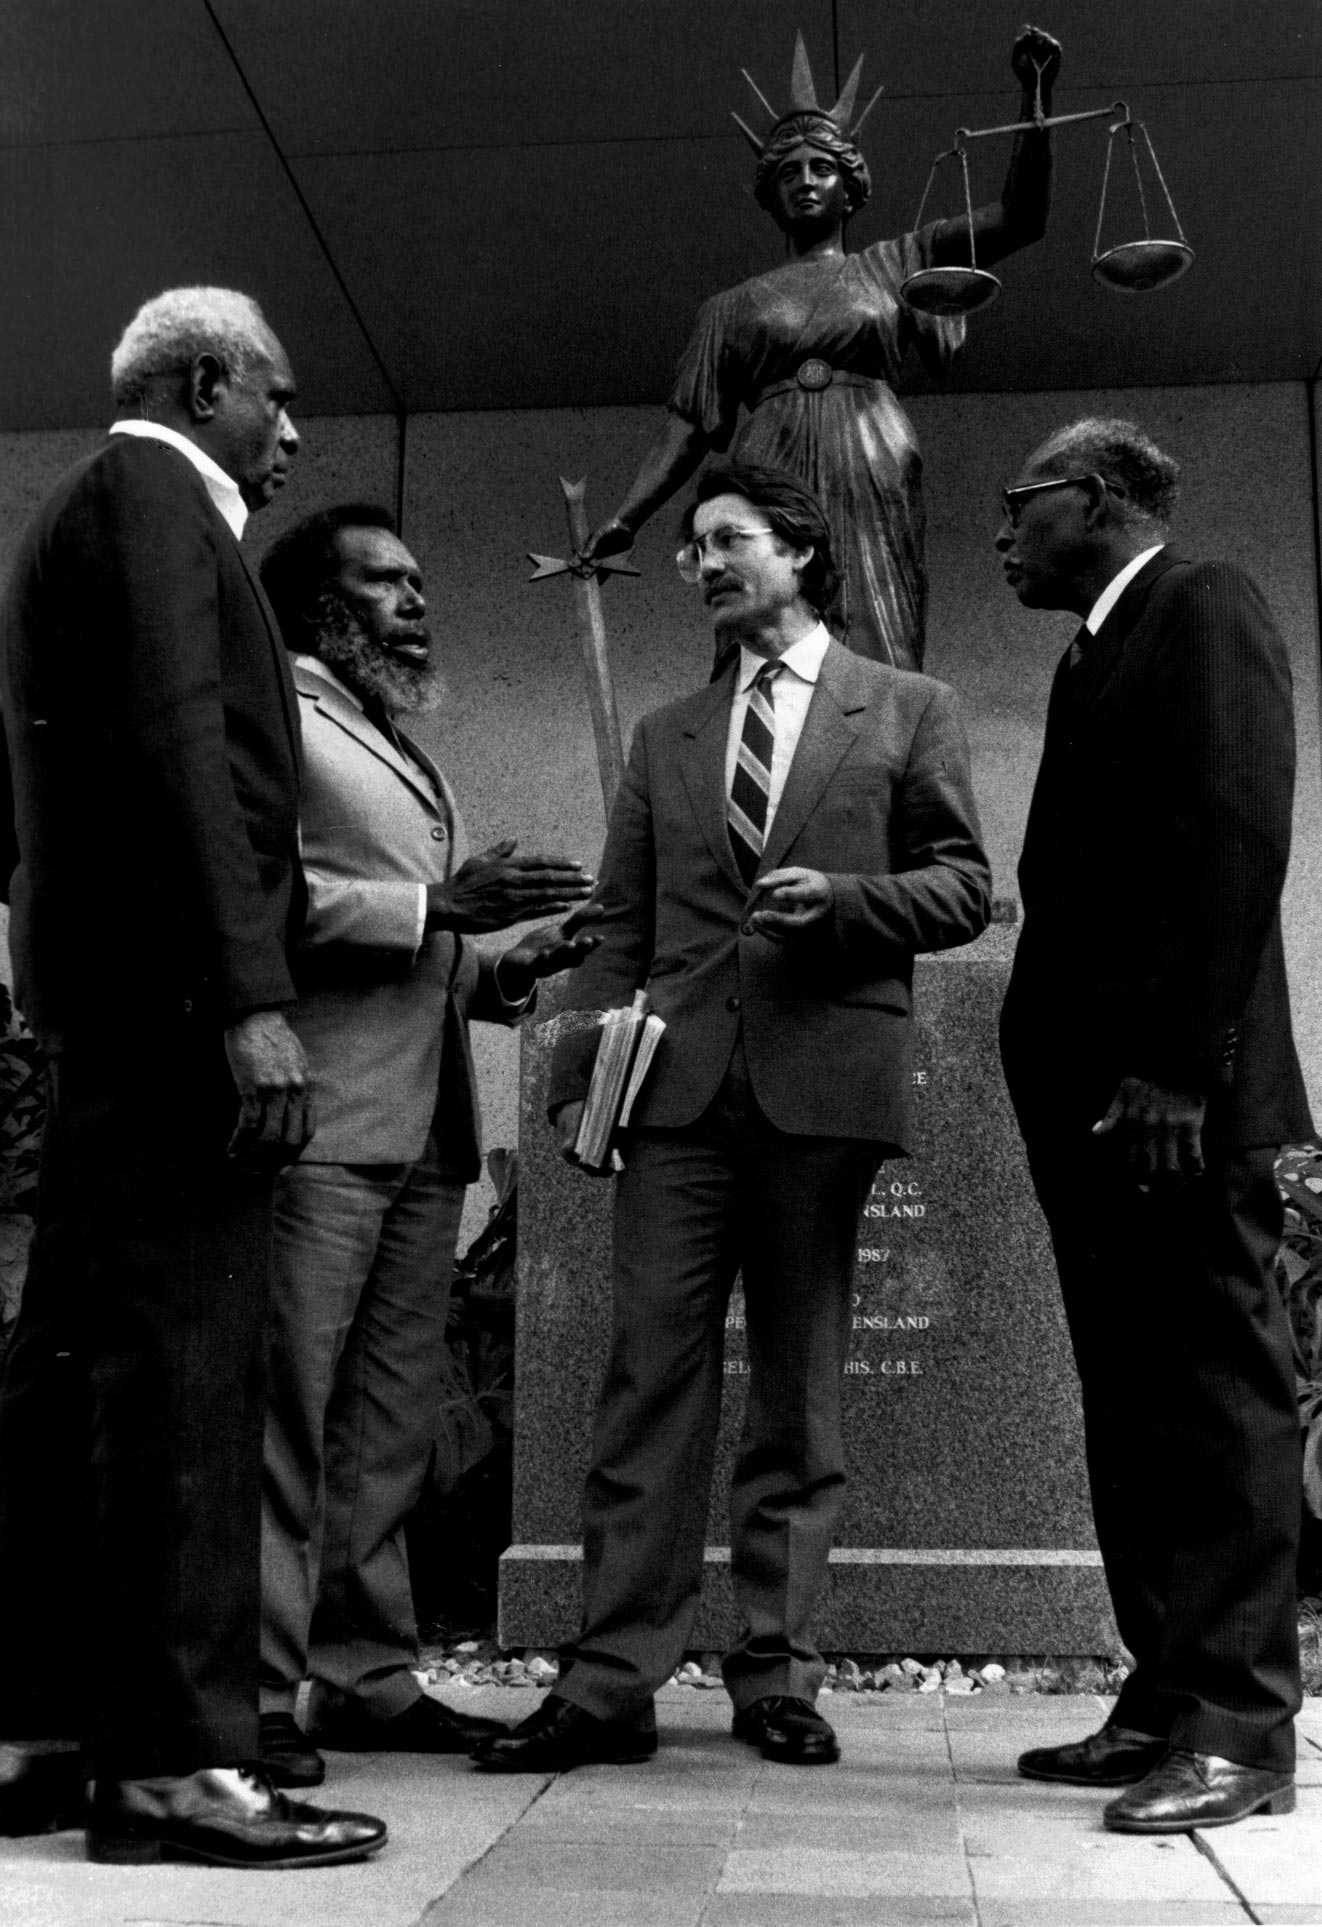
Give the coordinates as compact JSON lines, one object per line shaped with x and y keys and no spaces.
{"x":747,"y":808}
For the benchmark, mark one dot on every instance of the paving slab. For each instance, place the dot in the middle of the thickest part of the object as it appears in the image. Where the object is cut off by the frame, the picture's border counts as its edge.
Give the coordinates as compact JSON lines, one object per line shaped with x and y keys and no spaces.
{"x":924,"y":1820}
{"x":835,"y":1910}
{"x":1274,"y":1862}
{"x":850,"y":1874}
{"x":1112,"y":1913}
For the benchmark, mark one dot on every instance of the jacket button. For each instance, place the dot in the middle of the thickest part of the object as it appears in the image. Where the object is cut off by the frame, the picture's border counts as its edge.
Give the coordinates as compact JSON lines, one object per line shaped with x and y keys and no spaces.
{"x":438,"y":836}
{"x":732,"y":1003}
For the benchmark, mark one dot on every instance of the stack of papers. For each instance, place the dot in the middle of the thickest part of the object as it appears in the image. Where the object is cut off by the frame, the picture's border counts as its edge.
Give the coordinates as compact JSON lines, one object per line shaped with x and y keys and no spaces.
{"x":625,"y":1051}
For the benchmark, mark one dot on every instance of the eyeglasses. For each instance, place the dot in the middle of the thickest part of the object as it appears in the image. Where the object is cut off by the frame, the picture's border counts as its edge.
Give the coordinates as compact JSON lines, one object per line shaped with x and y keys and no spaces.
{"x":1016,"y":499}
{"x":721,"y":543}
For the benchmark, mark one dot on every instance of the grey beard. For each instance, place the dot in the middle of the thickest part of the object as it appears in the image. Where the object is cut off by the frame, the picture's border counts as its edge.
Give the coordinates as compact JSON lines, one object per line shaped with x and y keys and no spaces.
{"x":342,"y":643}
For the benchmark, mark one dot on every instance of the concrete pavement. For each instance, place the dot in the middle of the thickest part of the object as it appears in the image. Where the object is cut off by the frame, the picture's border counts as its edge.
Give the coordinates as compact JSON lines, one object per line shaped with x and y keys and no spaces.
{"x":923,"y":1820}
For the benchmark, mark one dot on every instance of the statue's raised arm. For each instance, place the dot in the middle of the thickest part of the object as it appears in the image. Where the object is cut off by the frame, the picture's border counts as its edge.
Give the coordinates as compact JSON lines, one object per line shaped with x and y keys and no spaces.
{"x":810,"y":352}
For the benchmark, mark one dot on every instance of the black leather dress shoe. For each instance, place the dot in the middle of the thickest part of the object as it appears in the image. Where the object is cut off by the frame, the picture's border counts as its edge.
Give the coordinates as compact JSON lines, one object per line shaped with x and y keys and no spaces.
{"x":41,"y":1787}
{"x":287,"y":1756}
{"x":1191,"y":1790}
{"x":788,"y":1730}
{"x":1115,"y":1756}
{"x":424,"y":1727}
{"x":560,"y":1735}
{"x":225,"y":1816}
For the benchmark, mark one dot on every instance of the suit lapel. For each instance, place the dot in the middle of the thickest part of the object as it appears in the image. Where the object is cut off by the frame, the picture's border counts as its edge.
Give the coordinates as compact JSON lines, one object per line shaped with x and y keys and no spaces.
{"x":284,"y":675}
{"x":1098,"y":660}
{"x":828,"y":730}
{"x":702,"y":765}
{"x":341,"y":709}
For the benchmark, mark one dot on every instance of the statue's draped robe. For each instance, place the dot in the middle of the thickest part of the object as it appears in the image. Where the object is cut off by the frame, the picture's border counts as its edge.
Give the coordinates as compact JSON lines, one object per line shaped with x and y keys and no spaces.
{"x":852,"y":443}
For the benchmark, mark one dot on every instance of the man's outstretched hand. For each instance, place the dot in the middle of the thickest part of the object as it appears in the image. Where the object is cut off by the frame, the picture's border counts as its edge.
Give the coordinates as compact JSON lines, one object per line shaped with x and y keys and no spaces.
{"x":497,"y":888}
{"x":1158,"y":1131}
{"x":270,"y":1073}
{"x":541,"y":953}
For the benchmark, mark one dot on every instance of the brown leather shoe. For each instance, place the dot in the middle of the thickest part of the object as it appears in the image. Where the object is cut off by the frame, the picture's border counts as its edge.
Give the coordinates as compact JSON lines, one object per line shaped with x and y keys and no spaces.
{"x":1116,"y":1756}
{"x":41,"y":1786}
{"x":425,"y":1727}
{"x":286,"y":1755}
{"x":560,"y":1735}
{"x":1191,"y":1790}
{"x":788,"y":1730}
{"x":225,"y":1816}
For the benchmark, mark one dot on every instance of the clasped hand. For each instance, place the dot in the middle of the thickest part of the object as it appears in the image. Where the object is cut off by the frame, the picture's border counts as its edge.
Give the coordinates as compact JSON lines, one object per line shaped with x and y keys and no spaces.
{"x":787,"y":901}
{"x":1158,"y":1131}
{"x":1035,"y":53}
{"x":270,"y":1073}
{"x":497,"y":888}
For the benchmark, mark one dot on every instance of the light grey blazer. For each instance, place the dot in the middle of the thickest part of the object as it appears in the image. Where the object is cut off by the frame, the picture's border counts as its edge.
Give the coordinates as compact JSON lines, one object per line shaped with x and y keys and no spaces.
{"x":383,"y":1019}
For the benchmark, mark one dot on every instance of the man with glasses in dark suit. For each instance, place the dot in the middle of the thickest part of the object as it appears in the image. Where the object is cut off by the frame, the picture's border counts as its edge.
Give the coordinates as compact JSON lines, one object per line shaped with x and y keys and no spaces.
{"x":1147,"y":1045}
{"x":782,"y":845}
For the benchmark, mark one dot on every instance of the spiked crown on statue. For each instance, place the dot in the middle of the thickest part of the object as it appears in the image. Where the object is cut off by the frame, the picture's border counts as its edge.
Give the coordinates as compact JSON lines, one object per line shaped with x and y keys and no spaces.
{"x":803,"y":100}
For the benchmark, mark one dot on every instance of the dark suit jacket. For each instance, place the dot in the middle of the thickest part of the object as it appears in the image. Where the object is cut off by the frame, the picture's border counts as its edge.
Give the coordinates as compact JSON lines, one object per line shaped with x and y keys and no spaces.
{"x":152,"y":730}
{"x":879,"y":797}
{"x":1153,"y":862}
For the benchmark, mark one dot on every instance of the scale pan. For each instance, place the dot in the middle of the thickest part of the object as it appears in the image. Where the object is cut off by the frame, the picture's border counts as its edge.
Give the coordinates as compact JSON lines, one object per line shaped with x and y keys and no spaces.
{"x":1137,"y":267}
{"x":950,"y":291}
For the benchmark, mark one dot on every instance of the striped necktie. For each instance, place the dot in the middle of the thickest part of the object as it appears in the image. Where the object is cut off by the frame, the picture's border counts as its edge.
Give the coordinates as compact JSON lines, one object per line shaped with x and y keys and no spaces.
{"x":747,"y":809}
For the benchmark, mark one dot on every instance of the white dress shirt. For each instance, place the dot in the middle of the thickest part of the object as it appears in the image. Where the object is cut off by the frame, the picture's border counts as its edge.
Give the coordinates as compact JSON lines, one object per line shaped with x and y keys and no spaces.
{"x":1116,"y":587}
{"x":222,"y":488}
{"x":791,"y":693}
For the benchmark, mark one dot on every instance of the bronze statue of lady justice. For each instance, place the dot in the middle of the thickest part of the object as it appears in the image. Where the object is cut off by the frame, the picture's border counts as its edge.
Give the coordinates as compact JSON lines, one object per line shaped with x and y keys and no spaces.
{"x":812,"y":351}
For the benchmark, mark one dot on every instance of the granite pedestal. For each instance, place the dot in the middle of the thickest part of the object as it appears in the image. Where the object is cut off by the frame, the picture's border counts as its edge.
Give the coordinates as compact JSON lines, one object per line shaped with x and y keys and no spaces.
{"x":967,"y":1528}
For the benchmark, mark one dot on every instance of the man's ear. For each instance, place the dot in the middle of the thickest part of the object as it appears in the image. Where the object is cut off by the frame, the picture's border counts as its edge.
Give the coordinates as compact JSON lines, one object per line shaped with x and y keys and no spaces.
{"x":802,"y":557}
{"x":1098,"y":512}
{"x":205,"y":375}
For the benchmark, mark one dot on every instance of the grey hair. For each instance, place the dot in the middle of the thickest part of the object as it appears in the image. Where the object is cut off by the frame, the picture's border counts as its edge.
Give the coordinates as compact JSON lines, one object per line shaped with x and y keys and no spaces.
{"x":1120,"y":452}
{"x":167,"y":334}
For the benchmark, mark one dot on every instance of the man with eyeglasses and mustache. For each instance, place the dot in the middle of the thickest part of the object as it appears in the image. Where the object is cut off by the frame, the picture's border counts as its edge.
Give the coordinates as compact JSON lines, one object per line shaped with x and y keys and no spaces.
{"x":782,"y":845}
{"x":1147,"y":1046}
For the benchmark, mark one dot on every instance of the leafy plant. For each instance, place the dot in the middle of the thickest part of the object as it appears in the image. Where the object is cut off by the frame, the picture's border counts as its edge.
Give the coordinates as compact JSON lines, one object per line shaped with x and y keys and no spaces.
{"x":462,"y":1522}
{"x":1299,"y":1274}
{"x":22,"y":1115}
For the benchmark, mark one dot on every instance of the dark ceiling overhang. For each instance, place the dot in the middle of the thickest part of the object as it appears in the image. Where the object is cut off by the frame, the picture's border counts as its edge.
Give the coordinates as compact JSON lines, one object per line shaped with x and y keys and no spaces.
{"x":468,"y":204}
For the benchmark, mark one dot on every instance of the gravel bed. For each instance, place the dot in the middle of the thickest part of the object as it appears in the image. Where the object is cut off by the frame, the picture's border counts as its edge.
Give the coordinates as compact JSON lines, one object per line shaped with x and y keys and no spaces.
{"x":480,"y":1662}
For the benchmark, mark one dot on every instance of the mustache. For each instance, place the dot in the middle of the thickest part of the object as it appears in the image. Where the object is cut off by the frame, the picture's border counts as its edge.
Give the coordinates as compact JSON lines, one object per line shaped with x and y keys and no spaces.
{"x":721,"y":582}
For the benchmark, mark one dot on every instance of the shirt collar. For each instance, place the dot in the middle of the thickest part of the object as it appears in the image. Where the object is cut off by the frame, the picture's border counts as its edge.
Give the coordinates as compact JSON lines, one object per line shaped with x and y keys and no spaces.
{"x":803,"y":657}
{"x":222,"y":488}
{"x":1116,"y":587}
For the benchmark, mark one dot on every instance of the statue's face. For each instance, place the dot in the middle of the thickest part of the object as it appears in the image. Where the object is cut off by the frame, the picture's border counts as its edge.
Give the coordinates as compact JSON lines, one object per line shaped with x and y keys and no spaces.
{"x":810,"y":189}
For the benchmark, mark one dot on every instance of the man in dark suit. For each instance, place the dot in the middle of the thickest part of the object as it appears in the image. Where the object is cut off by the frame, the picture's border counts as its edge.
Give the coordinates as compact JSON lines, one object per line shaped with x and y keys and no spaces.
{"x":1147,"y":1045}
{"x":783,"y":842}
{"x":153,"y":735}
{"x":366,"y":1221}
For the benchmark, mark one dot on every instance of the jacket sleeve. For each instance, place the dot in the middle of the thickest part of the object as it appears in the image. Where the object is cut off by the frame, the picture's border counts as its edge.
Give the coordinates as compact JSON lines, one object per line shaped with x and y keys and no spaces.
{"x":938,"y":891}
{"x":626,"y":895}
{"x":1222,"y":694}
{"x":150,"y":562}
{"x":362,"y":912}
